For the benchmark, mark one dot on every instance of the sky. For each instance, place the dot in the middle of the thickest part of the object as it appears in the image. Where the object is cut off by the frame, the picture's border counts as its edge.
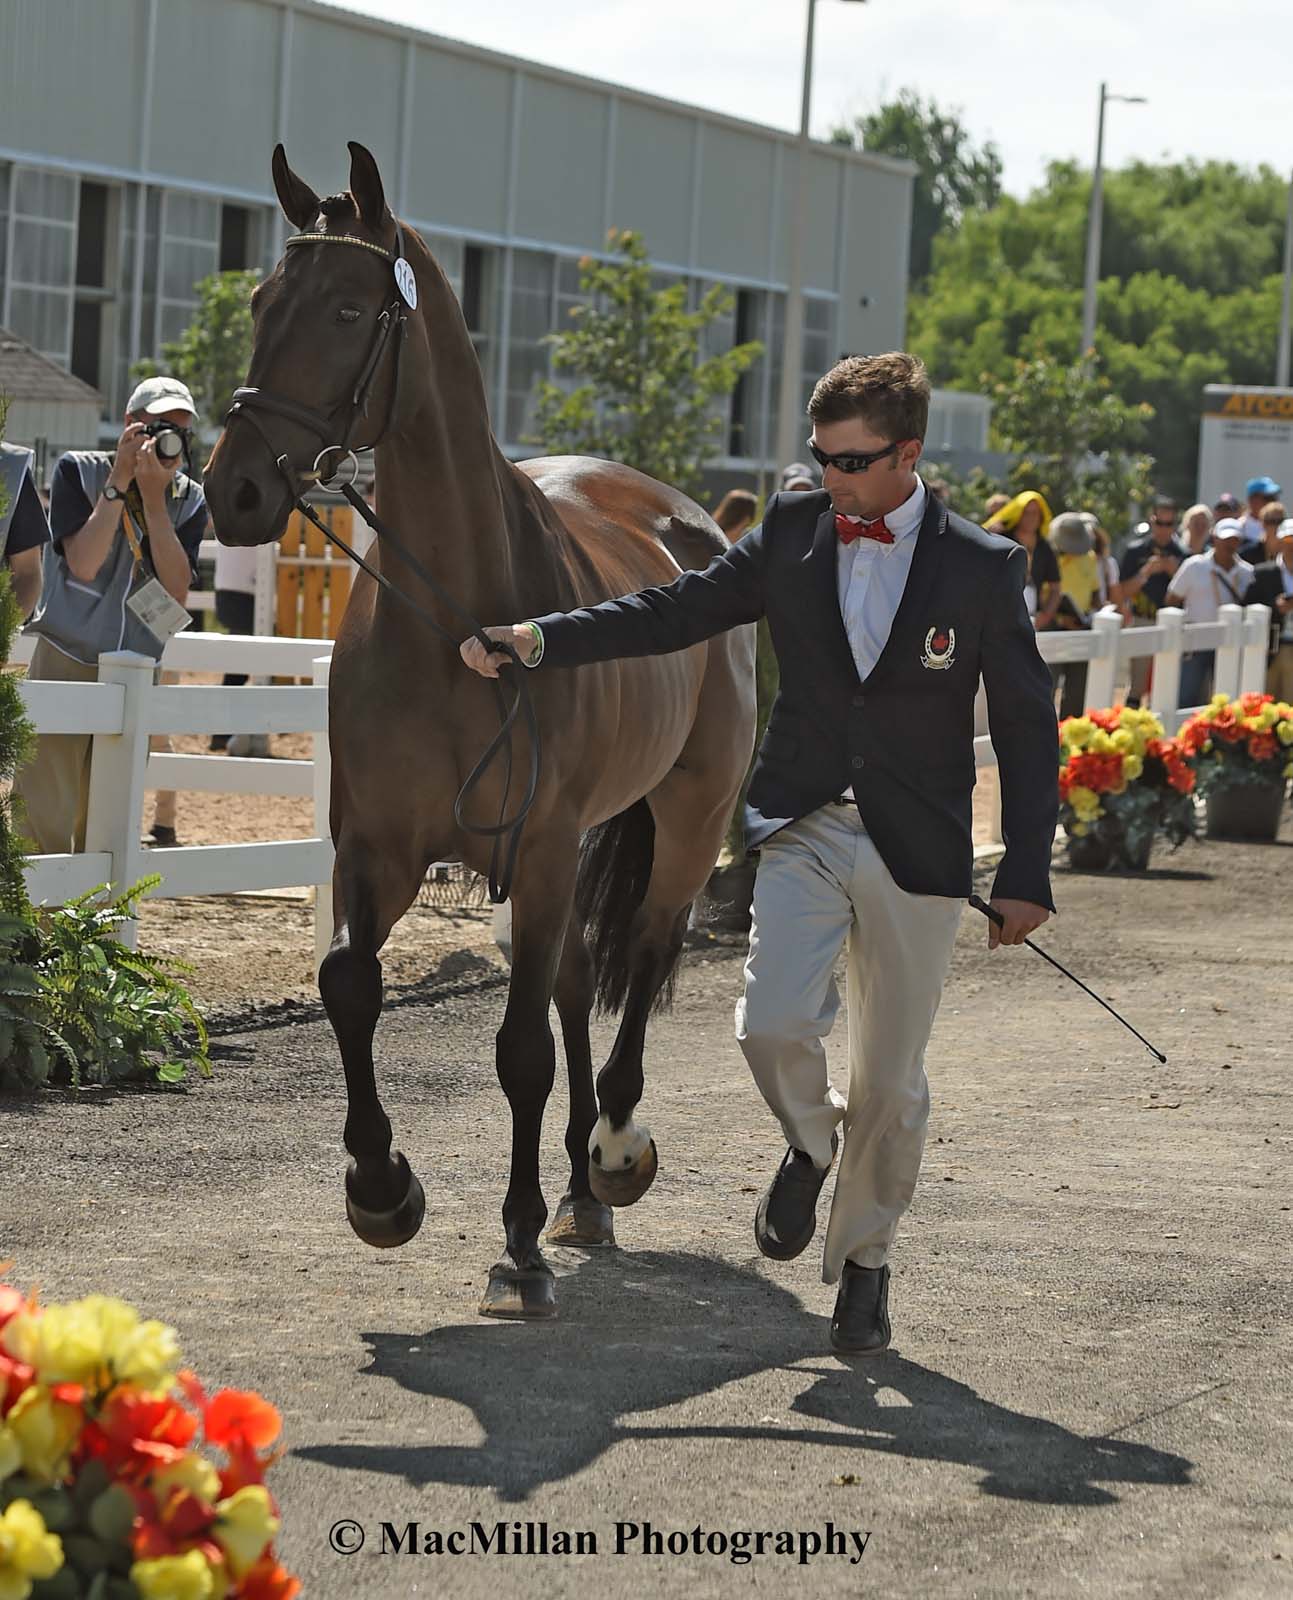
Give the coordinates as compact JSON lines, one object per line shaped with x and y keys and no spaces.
{"x":1025,"y":73}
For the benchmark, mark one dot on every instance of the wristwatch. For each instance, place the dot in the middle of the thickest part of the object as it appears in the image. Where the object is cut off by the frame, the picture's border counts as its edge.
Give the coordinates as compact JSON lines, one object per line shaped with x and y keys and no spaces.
{"x":111,"y":492}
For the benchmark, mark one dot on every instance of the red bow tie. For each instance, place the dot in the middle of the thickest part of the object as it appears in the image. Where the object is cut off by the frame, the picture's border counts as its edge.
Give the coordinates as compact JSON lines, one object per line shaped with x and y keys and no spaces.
{"x":850,"y":528}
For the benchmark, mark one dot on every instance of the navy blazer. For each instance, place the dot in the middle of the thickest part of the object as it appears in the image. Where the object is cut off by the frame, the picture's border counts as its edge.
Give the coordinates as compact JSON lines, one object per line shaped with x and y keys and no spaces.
{"x":904,"y":738}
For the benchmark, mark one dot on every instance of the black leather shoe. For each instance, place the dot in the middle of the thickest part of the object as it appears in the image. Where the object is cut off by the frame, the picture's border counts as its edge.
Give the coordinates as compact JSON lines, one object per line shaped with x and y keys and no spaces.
{"x":860,"y":1325}
{"x":786,"y":1219}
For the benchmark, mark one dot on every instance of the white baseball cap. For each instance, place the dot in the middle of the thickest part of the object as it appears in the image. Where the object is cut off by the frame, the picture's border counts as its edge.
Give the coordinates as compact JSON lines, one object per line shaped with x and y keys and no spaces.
{"x":154,"y":396}
{"x":1227,"y":528}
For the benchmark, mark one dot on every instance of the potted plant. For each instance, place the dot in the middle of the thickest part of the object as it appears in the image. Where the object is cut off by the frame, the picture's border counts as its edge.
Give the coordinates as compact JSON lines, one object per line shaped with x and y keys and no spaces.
{"x":1122,"y":781}
{"x":120,"y":1478}
{"x":1244,"y":752}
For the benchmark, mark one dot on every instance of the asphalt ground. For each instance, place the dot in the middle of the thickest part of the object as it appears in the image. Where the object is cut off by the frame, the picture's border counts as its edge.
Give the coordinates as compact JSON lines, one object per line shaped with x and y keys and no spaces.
{"x":1088,"y":1392}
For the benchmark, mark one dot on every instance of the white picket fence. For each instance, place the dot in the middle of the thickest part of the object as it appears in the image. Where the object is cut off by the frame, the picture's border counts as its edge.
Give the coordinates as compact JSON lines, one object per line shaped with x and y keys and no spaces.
{"x":124,"y":707}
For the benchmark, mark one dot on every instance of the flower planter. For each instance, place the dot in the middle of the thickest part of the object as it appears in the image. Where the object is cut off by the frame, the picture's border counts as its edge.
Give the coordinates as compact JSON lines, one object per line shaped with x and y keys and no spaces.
{"x":1088,"y":853}
{"x":1246,"y":811}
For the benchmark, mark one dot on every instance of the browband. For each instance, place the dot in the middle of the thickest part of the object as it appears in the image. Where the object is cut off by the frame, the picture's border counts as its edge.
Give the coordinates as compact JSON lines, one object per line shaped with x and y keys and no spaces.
{"x":340,"y":238}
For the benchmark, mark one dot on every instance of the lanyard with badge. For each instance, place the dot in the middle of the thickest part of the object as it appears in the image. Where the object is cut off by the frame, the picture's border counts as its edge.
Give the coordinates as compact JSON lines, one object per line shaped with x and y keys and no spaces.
{"x":159,"y":612}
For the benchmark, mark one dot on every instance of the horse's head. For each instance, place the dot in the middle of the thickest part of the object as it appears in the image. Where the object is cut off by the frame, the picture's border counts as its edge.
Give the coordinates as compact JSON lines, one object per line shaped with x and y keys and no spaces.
{"x":334,"y":327}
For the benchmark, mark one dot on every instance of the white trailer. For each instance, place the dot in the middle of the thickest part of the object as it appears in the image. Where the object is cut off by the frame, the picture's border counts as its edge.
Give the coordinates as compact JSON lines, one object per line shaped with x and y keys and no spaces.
{"x":1245,"y":432}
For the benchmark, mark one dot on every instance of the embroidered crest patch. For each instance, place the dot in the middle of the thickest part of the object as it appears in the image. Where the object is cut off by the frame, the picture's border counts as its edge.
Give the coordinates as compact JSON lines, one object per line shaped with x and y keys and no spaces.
{"x":940,"y":649}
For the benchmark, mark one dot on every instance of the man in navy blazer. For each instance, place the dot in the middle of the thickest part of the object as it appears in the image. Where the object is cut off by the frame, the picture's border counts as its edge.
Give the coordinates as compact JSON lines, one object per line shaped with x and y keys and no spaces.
{"x":884,"y":608}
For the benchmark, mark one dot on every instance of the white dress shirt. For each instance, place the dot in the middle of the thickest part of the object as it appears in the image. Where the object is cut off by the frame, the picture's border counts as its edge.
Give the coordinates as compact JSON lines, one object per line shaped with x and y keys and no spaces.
{"x":1204,"y":586}
{"x":872,"y":578}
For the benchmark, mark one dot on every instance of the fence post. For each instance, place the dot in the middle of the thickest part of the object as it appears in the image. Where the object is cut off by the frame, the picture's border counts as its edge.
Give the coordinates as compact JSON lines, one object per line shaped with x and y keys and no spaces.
{"x":1165,"y":693}
{"x":1257,"y":630}
{"x":118,"y":773}
{"x":322,"y":825}
{"x":1226,"y":673}
{"x":1102,"y":675}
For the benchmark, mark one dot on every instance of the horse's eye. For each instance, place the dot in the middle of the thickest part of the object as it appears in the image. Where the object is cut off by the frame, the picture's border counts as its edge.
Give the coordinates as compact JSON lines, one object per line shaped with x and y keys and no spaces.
{"x":349,"y":314}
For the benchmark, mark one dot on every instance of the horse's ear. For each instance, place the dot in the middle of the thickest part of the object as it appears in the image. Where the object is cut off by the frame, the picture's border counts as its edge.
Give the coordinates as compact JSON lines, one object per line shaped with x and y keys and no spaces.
{"x":366,"y":185}
{"x":299,"y":202}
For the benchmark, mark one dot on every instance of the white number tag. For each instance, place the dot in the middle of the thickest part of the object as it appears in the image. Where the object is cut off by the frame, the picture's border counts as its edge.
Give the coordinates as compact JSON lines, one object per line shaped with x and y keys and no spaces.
{"x":406,"y":283}
{"x":163,"y":616}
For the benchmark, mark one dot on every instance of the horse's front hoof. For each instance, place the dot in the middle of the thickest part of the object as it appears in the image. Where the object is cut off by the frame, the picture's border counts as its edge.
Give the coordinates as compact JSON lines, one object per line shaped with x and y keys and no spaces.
{"x":524,"y":1294}
{"x":388,"y":1227}
{"x":630,"y":1183}
{"x":584,"y":1222}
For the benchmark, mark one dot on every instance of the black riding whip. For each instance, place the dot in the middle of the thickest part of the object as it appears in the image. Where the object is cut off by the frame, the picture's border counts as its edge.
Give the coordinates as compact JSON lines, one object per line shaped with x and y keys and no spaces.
{"x":980,"y":904}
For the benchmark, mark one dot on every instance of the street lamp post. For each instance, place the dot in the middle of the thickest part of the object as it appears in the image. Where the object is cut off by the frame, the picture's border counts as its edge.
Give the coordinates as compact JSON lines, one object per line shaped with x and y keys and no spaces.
{"x":1096,"y":221}
{"x":790,"y":415}
{"x":1282,"y":357}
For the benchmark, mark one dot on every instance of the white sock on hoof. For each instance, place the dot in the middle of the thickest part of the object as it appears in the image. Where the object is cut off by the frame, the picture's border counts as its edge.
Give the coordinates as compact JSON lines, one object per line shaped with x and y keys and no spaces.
{"x":614,"y":1149}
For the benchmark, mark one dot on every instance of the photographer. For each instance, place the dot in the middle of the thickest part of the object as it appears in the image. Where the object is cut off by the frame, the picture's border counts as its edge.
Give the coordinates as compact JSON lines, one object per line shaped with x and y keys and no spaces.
{"x":125,"y":529}
{"x":1148,"y":567}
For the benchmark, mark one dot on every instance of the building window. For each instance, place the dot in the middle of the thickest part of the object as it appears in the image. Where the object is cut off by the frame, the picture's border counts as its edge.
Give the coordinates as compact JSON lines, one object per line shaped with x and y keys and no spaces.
{"x":528,"y":360}
{"x":190,"y":251}
{"x":747,"y":435}
{"x":237,"y":253}
{"x":38,"y":288}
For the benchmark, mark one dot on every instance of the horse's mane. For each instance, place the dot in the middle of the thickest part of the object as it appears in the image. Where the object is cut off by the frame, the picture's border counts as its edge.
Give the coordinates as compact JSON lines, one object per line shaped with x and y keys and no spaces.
{"x":339,"y":205}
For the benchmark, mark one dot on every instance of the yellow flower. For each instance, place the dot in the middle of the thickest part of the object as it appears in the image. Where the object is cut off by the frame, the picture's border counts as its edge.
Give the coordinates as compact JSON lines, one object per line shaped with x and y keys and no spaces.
{"x":46,"y":1429}
{"x":244,"y":1525}
{"x":192,"y":1472}
{"x":28,"y":1550}
{"x":10,"y":1453}
{"x":186,"y":1577}
{"x":1288,"y":770}
{"x":1077,"y":731}
{"x":1102,"y":743}
{"x":1124,"y":739}
{"x":1284,"y":732}
{"x":97,"y":1341}
{"x":1085,"y":803}
{"x":1079,"y":830}
{"x":1268,"y":716}
{"x":1207,"y":747}
{"x":1132,"y":766}
{"x":1219,"y":700}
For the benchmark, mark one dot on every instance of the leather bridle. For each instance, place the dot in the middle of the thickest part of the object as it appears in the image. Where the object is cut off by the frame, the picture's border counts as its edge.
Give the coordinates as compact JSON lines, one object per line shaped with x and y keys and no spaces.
{"x":247,"y":402}
{"x":392,"y":324}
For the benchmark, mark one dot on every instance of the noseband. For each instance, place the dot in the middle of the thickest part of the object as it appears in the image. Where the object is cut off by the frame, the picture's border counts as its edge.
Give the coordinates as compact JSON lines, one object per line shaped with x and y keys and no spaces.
{"x":247,"y":402}
{"x":391,"y":324}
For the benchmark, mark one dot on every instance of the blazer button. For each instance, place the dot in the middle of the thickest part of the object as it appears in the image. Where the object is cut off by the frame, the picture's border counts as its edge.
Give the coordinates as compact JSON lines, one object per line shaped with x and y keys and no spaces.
{"x":859,"y":700}
{"x":857,"y":763}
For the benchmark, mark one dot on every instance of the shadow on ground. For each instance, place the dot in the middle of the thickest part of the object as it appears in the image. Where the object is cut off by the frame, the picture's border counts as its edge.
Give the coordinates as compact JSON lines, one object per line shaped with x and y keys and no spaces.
{"x":660,"y":1329}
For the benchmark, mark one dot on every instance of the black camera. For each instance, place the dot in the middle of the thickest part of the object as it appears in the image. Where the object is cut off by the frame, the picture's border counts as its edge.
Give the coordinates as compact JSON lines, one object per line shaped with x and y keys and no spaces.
{"x":172,"y":442}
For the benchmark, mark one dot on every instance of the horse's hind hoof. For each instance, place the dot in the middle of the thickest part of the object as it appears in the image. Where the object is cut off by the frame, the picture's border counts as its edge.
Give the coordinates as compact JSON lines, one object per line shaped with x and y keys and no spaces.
{"x":622,"y":1188}
{"x":524,"y":1294}
{"x":584,"y":1222}
{"x":386,"y":1228}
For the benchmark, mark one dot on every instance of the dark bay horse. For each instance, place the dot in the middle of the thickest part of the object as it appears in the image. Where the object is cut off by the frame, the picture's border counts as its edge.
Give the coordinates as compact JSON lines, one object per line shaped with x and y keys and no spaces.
{"x":641,"y":760}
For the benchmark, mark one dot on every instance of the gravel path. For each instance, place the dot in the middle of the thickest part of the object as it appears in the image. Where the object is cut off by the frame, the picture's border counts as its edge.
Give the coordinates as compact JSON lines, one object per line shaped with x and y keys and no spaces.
{"x":1088,"y":1393}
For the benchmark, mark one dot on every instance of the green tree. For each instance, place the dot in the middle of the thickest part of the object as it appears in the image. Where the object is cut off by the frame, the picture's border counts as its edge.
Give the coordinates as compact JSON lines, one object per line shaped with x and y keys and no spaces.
{"x":1075,"y":438}
{"x":647,"y":392}
{"x":954,"y":175}
{"x":211,"y":356}
{"x":1190,"y":293}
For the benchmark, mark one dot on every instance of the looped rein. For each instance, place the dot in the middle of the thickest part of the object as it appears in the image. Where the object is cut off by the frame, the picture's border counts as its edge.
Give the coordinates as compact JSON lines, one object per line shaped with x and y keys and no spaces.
{"x":506,"y":832}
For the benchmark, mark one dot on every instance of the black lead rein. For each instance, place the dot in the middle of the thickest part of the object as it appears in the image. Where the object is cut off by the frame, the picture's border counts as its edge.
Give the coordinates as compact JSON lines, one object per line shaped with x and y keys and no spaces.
{"x":500,"y":881}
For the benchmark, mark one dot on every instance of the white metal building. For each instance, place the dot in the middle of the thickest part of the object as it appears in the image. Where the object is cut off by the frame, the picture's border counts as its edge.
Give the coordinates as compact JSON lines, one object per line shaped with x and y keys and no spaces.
{"x":135,"y":142}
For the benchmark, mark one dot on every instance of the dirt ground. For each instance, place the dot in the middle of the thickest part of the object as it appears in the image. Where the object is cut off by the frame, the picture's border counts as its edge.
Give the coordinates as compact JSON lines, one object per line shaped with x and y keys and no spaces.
{"x":1088,"y":1391}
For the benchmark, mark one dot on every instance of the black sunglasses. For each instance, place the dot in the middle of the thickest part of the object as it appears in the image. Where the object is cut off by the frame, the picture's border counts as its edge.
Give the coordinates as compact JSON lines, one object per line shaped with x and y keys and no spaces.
{"x":854,"y":461}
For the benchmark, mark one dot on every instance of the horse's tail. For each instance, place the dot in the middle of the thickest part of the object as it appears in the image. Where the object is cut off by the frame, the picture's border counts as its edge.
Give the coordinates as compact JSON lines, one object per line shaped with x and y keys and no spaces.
{"x":614,"y":870}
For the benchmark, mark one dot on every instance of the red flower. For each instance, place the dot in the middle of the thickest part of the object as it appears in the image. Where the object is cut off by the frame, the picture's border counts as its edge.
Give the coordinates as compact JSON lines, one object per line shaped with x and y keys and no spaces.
{"x":1252,"y":702}
{"x":267,"y":1580}
{"x":136,"y":1433}
{"x":15,"y":1376}
{"x":238,"y":1416}
{"x":1263,"y":746}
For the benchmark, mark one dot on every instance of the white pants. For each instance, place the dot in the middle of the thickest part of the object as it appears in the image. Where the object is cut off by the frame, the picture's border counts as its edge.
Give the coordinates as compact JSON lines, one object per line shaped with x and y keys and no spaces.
{"x":821,"y":882}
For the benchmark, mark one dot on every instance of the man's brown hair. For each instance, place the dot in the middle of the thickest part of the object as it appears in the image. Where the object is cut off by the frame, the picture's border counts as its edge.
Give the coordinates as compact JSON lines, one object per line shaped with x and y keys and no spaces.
{"x":736,"y":506}
{"x":890,"y":393}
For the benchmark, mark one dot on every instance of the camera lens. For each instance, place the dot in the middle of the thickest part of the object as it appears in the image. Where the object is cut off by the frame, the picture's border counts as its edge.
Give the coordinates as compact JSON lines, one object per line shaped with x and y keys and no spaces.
{"x":169,"y":444}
